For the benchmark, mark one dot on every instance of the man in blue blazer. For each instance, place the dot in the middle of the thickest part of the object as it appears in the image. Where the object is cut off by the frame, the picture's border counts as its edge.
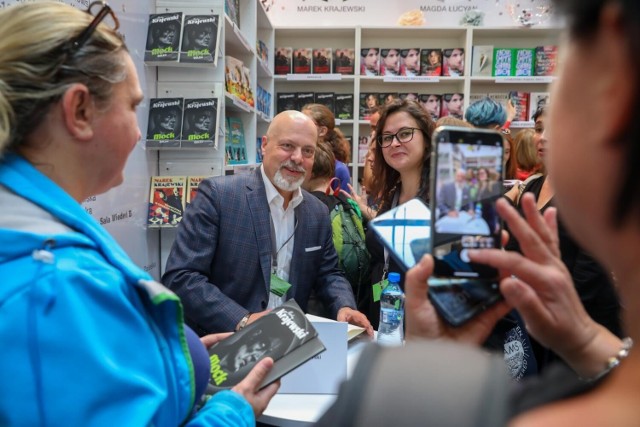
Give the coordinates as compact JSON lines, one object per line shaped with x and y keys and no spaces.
{"x":454,"y":196}
{"x":245,"y":237}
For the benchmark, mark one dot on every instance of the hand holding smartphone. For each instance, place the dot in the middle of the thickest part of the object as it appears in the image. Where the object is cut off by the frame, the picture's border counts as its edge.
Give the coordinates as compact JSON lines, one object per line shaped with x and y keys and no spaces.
{"x":466,"y":180}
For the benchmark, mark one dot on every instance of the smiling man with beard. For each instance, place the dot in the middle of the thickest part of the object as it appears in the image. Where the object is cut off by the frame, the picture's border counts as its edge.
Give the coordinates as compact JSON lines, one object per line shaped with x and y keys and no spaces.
{"x":250,"y":242}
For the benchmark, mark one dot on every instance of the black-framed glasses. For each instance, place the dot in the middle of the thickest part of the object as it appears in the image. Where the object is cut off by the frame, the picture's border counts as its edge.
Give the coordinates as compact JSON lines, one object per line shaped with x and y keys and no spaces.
{"x":99,"y":16}
{"x":403,"y":135}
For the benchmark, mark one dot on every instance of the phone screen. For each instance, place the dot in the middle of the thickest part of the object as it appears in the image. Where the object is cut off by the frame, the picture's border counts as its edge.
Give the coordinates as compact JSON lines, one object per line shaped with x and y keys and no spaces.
{"x":467,"y":175}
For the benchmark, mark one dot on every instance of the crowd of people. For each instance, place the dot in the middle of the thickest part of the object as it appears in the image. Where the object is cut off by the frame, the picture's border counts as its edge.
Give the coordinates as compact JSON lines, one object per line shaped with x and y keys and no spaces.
{"x":81,"y":320}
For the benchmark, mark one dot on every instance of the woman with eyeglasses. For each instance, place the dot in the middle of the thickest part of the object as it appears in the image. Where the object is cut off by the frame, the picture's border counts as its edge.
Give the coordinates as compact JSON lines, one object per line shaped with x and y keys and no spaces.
{"x":88,"y":338}
{"x":401,"y":172}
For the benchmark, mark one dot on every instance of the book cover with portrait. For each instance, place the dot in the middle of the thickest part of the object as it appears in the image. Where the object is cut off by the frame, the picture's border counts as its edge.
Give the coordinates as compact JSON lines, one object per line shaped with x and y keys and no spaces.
{"x":368,"y":101}
{"x":453,"y":62}
{"x":200,"y":126}
{"x":163,"y":37}
{"x":344,"y":61}
{"x":520,"y":101}
{"x":431,"y":62}
{"x":410,"y":62}
{"x":432,"y":104}
{"x":200,"y":39}
{"x":166,"y":201}
{"x":390,"y":62}
{"x":322,"y":58}
{"x":164,"y":127}
{"x":344,"y":106}
{"x":302,"y":60}
{"x":370,"y":61}
{"x":546,"y":60}
{"x":537,"y":100}
{"x":283,"y":61}
{"x":284,"y":334}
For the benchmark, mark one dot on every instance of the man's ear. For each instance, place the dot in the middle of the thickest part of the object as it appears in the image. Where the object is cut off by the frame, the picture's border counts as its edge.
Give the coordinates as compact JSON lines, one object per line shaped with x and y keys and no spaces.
{"x":322,"y":131}
{"x":264,"y":144}
{"x":617,"y":84}
{"x":78,"y":111}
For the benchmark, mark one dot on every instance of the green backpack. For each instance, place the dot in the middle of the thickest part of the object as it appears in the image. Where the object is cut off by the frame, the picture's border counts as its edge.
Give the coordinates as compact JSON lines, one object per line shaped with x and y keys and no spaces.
{"x":348,"y":238}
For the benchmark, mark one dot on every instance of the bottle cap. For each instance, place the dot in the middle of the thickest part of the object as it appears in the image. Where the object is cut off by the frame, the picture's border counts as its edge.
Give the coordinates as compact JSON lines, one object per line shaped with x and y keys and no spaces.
{"x":394,"y":277}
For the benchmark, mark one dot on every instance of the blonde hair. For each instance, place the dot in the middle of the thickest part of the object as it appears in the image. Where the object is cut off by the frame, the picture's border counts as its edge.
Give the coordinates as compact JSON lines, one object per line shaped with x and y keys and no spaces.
{"x":526,"y":153}
{"x":37,"y":63}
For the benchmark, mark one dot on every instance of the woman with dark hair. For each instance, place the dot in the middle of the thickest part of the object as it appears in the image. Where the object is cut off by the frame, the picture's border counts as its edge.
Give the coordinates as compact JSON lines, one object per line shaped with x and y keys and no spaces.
{"x":329,"y":134}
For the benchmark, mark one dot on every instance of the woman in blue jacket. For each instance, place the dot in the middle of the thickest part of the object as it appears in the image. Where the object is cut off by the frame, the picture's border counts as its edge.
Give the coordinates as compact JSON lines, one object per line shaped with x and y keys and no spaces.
{"x":87,"y":337}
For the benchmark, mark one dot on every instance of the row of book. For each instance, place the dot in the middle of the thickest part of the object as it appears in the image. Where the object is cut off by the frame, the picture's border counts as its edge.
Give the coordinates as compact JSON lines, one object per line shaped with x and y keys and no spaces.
{"x":325,"y":60}
{"x":340,"y":104}
{"x":519,"y":62}
{"x":235,"y":144}
{"x":526,"y":103}
{"x":180,"y":122}
{"x":237,"y":80}
{"x":263,"y":100}
{"x":172,"y":37}
{"x":413,"y":61}
{"x":168,"y":198}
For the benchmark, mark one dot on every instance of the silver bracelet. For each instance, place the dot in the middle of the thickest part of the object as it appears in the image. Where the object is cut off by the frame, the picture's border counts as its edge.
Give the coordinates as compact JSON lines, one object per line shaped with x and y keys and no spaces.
{"x":613,"y":361}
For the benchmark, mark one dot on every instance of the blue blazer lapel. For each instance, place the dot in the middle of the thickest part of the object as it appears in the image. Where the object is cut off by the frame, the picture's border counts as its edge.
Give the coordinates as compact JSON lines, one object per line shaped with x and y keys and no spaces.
{"x":299,"y":244}
{"x":260,"y":217}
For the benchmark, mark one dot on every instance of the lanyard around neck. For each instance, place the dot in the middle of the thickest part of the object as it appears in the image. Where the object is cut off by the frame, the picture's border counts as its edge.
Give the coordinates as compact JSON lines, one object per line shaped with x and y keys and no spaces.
{"x":274,"y":249}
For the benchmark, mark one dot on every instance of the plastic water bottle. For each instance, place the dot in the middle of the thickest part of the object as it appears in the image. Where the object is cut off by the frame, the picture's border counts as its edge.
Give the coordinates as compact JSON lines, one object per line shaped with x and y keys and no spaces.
{"x":478,"y":210}
{"x":390,"y":330}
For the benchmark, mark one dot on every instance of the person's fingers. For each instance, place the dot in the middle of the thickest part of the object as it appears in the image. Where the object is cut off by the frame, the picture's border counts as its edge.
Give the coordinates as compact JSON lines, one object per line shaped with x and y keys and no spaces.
{"x":415,"y":283}
{"x":539,"y":224}
{"x":264,"y":396}
{"x":551,"y":218}
{"x":257,"y":374}
{"x":504,"y":238}
{"x":211,"y":339}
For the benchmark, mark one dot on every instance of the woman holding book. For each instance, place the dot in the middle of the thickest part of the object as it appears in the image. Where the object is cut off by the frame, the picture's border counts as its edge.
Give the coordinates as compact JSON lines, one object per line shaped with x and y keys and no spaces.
{"x":80,"y":322}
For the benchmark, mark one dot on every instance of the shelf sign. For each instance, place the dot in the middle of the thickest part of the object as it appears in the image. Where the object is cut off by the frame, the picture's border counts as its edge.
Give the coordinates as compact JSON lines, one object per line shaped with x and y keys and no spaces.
{"x":314,"y":77}
{"x":521,"y":125}
{"x":411,"y":79}
{"x":529,"y":79}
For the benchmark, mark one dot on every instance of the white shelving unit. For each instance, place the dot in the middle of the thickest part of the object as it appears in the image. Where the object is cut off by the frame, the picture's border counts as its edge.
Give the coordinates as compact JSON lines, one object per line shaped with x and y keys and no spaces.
{"x":358,"y":37}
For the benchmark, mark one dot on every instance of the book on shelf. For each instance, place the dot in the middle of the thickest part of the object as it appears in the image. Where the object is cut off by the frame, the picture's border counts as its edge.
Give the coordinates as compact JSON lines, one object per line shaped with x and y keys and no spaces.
{"x":284,"y":334}
{"x":363,"y":148}
{"x":385,"y":98}
{"x":286,"y":101}
{"x":302,"y":60}
{"x":410,"y":62}
{"x":390,"y":62}
{"x":367,"y":102}
{"x":200,"y":39}
{"x":263,"y":100}
{"x":344,"y":106}
{"x":520,"y":101}
{"x":453,"y":62}
{"x":262,"y":51}
{"x":503,"y":62}
{"x":500,"y":97}
{"x":166,"y":201}
{"x":163,"y":38}
{"x":432,"y":103}
{"x":232,"y":9}
{"x":524,"y":65}
{"x":164,"y":127}
{"x":283,"y":61}
{"x":482,"y":60}
{"x":233,"y":76}
{"x":258,"y":149}
{"x":328,"y":100}
{"x":546,"y":60}
{"x":408,"y":96}
{"x":236,"y":149}
{"x":370,"y":61}
{"x":475,"y":97}
{"x":430,"y":62}
{"x":453,"y":105}
{"x":200,"y":124}
{"x":245,"y":87}
{"x":321,"y":60}
{"x":537,"y":100}
{"x":193,"y":182}
{"x":344,"y":61}
{"x":304,"y":98}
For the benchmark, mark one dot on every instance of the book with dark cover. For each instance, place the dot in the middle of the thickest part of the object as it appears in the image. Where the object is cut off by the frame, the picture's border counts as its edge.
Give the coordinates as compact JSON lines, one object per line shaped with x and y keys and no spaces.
{"x":546,"y":60}
{"x":344,"y":61}
{"x":200,"y":39}
{"x":163,"y":37}
{"x":283,"y":61}
{"x":302,"y":60}
{"x":200,"y":127}
{"x":431,"y":62}
{"x":284,"y":334}
{"x":166,"y":201}
{"x":304,"y":98}
{"x":236,"y":149}
{"x":321,"y":60}
{"x":328,"y":100}
{"x":165,"y":122}
{"x":286,"y":101}
{"x":344,"y":106}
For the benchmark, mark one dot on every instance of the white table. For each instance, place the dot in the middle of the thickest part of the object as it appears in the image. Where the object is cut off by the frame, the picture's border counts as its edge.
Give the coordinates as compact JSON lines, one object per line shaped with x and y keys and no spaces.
{"x":295,"y":410}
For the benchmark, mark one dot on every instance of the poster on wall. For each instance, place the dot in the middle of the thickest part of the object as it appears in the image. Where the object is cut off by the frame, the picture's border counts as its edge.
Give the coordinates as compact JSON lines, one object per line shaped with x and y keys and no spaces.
{"x":123,"y":209}
{"x":408,"y":13}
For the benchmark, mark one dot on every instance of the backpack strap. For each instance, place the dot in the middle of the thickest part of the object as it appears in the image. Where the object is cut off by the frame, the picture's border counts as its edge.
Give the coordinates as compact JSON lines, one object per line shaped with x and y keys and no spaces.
{"x":333,"y":191}
{"x":523,"y":185}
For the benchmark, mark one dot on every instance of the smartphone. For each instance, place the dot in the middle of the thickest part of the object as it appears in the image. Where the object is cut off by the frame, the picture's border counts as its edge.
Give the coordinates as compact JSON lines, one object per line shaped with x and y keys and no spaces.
{"x":405,"y":231}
